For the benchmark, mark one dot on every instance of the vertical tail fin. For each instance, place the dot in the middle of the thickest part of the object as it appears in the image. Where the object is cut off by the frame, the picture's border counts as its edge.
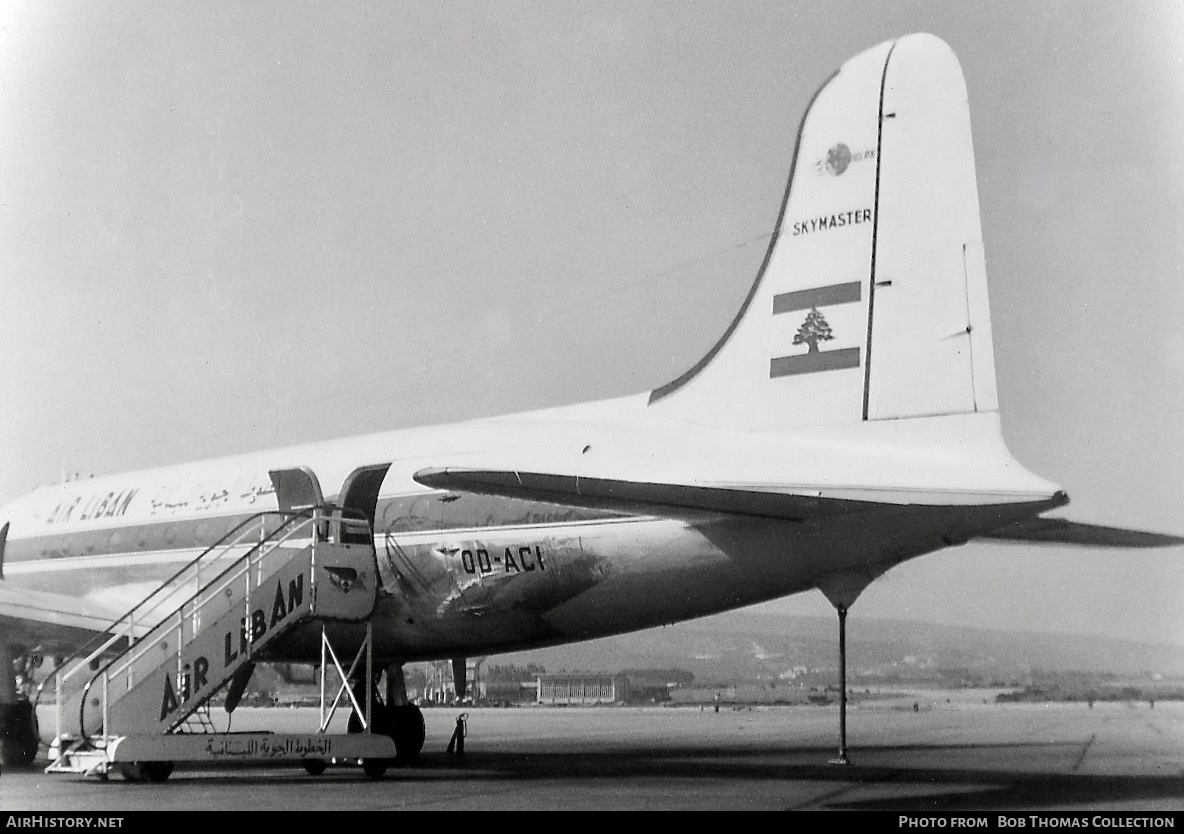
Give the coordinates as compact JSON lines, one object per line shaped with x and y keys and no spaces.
{"x":871,"y":303}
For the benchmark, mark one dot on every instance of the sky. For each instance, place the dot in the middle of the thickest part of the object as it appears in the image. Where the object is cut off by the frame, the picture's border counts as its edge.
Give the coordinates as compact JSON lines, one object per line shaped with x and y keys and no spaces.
{"x":231,"y":226}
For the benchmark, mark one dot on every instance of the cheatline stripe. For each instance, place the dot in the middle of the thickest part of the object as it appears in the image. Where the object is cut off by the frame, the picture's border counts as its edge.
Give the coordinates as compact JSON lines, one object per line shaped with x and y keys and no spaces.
{"x":123,"y":558}
{"x":787,"y":302}
{"x":808,"y":363}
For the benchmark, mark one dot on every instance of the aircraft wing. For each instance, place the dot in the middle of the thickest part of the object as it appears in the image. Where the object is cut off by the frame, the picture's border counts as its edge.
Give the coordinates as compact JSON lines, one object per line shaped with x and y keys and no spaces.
{"x":1063,"y":531}
{"x":52,"y":621}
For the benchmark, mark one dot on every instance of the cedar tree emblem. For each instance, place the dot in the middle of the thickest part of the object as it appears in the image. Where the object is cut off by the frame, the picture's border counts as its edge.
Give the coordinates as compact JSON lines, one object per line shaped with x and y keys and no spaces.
{"x":813,"y":330}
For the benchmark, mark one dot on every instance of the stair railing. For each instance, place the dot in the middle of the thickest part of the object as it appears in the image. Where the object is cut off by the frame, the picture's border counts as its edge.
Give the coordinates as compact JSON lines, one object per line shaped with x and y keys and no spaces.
{"x":251,"y":533}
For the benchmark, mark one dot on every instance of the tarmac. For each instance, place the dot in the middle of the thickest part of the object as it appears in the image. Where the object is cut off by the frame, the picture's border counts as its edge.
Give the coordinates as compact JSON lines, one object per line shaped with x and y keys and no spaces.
{"x":957,"y":755}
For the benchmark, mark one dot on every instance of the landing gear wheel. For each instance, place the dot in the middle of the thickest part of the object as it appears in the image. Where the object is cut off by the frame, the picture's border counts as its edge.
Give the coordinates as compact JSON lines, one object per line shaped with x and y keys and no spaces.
{"x":382,"y":722}
{"x":157,"y":771}
{"x":378,"y":715}
{"x":407,"y":728}
{"x":375,"y":768}
{"x":18,"y":734}
{"x":404,"y":724}
{"x":314,"y":767}
{"x":145,"y":771}
{"x":131,"y":771}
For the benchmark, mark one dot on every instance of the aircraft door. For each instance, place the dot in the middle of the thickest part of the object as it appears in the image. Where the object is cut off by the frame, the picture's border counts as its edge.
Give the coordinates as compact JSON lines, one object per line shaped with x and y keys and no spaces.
{"x":296,"y":489}
{"x":359,"y":493}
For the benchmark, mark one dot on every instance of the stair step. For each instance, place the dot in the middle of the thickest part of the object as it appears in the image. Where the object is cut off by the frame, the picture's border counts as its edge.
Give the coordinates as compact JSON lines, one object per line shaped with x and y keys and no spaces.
{"x":85,"y":762}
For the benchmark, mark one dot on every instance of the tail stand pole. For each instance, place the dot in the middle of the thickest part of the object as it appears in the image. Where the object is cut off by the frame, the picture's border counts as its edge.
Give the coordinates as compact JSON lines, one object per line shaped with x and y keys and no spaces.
{"x":842,"y":588}
{"x":842,"y":759}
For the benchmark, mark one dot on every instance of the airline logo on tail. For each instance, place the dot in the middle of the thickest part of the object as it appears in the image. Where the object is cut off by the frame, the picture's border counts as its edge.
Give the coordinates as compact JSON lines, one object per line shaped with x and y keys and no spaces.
{"x":839,"y":158}
{"x":814,"y":329}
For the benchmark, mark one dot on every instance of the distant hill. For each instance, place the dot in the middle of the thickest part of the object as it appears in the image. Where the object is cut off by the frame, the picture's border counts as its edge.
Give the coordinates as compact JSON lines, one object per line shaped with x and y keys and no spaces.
{"x":748,"y":646}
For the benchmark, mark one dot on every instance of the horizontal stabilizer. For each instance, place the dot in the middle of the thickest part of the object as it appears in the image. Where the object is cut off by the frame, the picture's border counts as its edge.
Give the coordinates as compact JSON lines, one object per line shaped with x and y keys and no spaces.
{"x":676,"y":500}
{"x":1062,"y":531}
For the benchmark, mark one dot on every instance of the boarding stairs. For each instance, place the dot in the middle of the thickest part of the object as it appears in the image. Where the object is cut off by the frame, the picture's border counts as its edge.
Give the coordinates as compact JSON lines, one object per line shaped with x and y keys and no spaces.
{"x":150,"y":676}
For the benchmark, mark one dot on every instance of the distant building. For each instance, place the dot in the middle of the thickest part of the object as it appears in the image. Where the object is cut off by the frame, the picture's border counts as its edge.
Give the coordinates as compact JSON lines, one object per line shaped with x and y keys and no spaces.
{"x":654,"y":686}
{"x":581,"y":688}
{"x":440,"y":688}
{"x":511,"y":692}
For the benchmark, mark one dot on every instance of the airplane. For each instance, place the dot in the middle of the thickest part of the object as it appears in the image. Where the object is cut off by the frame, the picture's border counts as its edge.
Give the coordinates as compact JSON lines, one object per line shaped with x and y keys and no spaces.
{"x":845,"y":421}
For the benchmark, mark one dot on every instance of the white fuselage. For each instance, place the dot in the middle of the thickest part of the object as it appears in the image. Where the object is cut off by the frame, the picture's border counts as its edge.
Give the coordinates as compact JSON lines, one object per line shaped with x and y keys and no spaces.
{"x":465,"y":573}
